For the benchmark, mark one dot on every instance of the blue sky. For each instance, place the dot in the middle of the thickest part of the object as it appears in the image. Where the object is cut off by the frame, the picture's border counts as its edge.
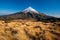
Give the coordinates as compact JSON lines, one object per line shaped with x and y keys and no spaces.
{"x":49,"y":7}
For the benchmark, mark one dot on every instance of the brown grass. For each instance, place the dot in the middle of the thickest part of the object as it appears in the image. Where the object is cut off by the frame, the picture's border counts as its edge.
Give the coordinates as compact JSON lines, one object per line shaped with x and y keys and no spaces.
{"x":27,"y":30}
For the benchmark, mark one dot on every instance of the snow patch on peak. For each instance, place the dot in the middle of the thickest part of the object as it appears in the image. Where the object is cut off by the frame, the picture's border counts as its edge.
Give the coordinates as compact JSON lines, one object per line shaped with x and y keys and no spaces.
{"x":30,"y":9}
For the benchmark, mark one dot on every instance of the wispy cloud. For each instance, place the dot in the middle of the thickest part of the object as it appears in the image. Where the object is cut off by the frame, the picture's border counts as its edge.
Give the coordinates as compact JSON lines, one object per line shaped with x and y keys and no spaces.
{"x":6,"y":12}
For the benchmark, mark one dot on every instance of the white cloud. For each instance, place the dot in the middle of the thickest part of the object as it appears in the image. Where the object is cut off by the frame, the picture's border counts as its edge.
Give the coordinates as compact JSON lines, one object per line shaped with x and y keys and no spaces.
{"x":5,"y":12}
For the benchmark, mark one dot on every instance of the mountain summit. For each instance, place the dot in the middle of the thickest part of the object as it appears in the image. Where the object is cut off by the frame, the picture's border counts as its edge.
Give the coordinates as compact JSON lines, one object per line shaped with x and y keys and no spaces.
{"x":30,"y":9}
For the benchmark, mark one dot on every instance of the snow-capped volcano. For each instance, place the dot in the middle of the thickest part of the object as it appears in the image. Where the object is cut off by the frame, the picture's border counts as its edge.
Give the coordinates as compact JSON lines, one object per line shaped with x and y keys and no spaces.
{"x":29,"y":14}
{"x":30,"y":9}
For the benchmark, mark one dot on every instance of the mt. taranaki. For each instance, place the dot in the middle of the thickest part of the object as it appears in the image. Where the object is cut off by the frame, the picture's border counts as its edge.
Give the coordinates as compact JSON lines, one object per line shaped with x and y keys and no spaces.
{"x":29,"y":14}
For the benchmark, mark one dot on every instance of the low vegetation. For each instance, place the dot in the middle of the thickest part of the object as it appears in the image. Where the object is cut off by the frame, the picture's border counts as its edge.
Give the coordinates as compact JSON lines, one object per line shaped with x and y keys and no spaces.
{"x":27,"y":30}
